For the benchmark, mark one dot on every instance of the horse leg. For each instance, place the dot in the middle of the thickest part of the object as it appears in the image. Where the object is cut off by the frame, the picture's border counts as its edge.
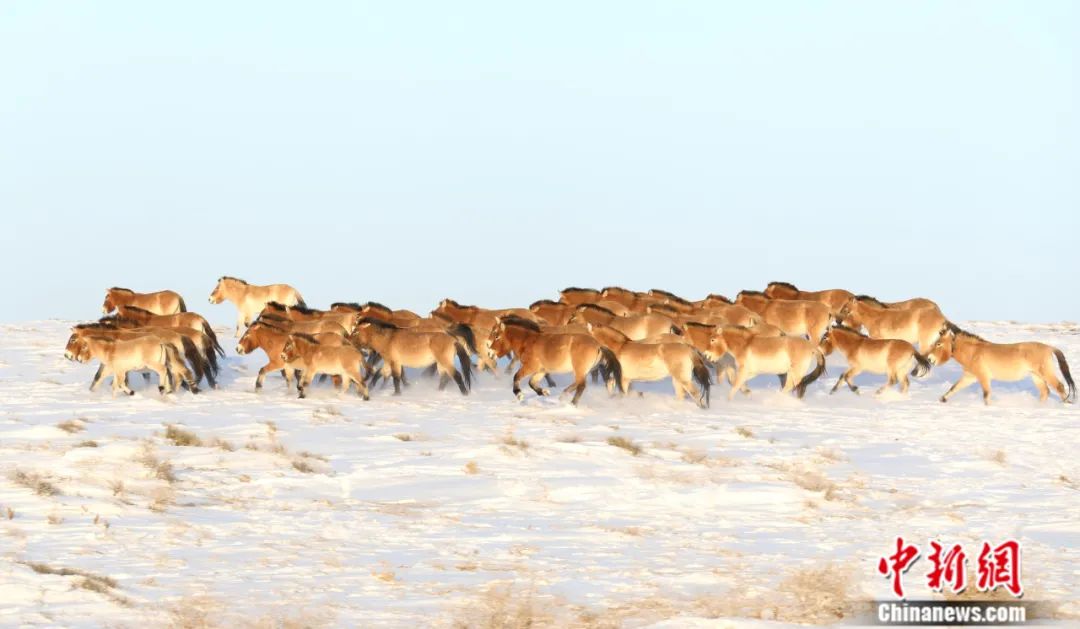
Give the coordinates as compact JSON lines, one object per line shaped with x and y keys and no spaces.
{"x":579,"y":382}
{"x":741,"y":376}
{"x":518,"y":375}
{"x":97,"y":377}
{"x":396,"y":371}
{"x":358,"y":380}
{"x":848,"y":378}
{"x":549,"y":380}
{"x":443,"y":381}
{"x":965,"y":380}
{"x":1040,"y":384}
{"x":165,"y":384}
{"x":1051,"y":378}
{"x":838,"y":382}
{"x":534,"y":383}
{"x":905,"y":381}
{"x":304,"y":381}
{"x":984,"y":382}
{"x":240,"y":325}
{"x":888,"y":383}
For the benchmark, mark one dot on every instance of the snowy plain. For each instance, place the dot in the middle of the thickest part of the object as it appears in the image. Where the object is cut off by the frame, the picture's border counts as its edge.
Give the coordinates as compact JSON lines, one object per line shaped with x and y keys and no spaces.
{"x":433,"y":509}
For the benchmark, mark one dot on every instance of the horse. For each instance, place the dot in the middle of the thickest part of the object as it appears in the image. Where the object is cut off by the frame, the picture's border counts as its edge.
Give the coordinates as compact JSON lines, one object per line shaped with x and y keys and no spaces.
{"x":311,"y":326}
{"x":895,"y":358}
{"x":906,"y":304}
{"x":575,"y":296}
{"x":207,"y":351}
{"x":120,"y":356}
{"x":341,"y":361}
{"x":721,"y":314}
{"x":400,"y":318}
{"x":162,"y":302}
{"x":302,"y":313}
{"x":404,"y":347}
{"x":920,"y":326}
{"x":264,"y":335}
{"x":480,"y":317}
{"x":633,"y":300}
{"x":699,"y":335}
{"x":250,"y":299}
{"x":553,"y":312}
{"x":546,"y":353}
{"x":789,"y":356}
{"x":635,"y":326}
{"x":834,"y":298}
{"x":984,"y":361}
{"x":794,"y":316}
{"x":189,"y":320}
{"x":656,"y":361}
{"x":201,"y":367}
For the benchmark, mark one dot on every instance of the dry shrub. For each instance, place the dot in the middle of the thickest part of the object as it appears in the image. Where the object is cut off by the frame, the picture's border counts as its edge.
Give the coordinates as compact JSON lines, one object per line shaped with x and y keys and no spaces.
{"x":695,"y":456}
{"x":506,"y":607}
{"x":625,"y":444}
{"x":509,"y":442}
{"x":71,"y":426}
{"x":194,"y":612}
{"x":35,"y":483}
{"x":180,"y":437}
{"x":998,"y":456}
{"x":301,"y":465}
{"x":744,"y":432}
{"x":401,"y":436}
{"x":815,"y":596}
{"x":162,"y":470}
{"x":472,"y":468}
{"x":87,"y":444}
{"x":89,"y":581}
{"x":569,"y":439}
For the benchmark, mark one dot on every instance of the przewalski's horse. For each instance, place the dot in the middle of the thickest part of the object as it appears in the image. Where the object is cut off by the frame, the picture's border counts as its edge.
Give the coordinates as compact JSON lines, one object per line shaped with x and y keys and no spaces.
{"x":834,"y":298}
{"x":405,"y":347}
{"x":312,"y":326}
{"x":189,"y":320}
{"x":119,"y":357}
{"x":795,"y":317}
{"x":633,"y":300}
{"x":481,"y":317}
{"x":547,"y":353}
{"x":250,"y":299}
{"x":635,"y":326}
{"x":163,"y":302}
{"x":906,"y":304}
{"x":789,"y":356}
{"x":207,"y":350}
{"x":301,"y":313}
{"x":712,"y":315}
{"x":400,"y":318}
{"x":893,"y":358}
{"x":271,"y":340}
{"x":700,"y":336}
{"x":984,"y":361}
{"x":178,"y":339}
{"x":553,"y":312}
{"x":672,"y":300}
{"x":656,"y":361}
{"x":575,"y":296}
{"x":341,"y":361}
{"x":920,"y":326}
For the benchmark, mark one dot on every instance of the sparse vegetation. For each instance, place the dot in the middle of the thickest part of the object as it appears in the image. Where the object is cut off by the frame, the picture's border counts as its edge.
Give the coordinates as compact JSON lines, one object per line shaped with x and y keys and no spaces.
{"x":87,"y":444}
{"x":625,"y":444}
{"x":34,"y":482}
{"x":71,"y":426}
{"x":510,"y":442}
{"x":743,"y":431}
{"x":180,"y":437}
{"x":301,"y":465}
{"x":471,"y":467}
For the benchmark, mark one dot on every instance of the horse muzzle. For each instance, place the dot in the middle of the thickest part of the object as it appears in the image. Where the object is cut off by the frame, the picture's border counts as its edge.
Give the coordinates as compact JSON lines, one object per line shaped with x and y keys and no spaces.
{"x":68,"y":355}
{"x":240,"y":350}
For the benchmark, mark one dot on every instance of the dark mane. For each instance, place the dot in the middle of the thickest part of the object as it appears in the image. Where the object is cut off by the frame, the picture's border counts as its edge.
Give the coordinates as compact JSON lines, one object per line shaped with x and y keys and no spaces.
{"x":753,"y":293}
{"x":669,"y":295}
{"x":597,"y":308}
{"x":459,"y":306}
{"x":664,"y":307}
{"x":346,"y":304}
{"x":229,"y":277}
{"x":871,"y":300}
{"x":841,"y":326}
{"x":123,"y":290}
{"x":783,"y":284}
{"x":958,"y":331}
{"x":305,"y":336}
{"x":698,"y":324}
{"x":718,"y":297}
{"x":99,"y":325}
{"x":517,"y":321}
{"x":575,"y":289}
{"x":270,"y":316}
{"x":280,"y":307}
{"x":376,"y":305}
{"x":625,"y":290}
{"x":377,"y":322}
{"x":545,"y":302}
{"x":138,"y":309}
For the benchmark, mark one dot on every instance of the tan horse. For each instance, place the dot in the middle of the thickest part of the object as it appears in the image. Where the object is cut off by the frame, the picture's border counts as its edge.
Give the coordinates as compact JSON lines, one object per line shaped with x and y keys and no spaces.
{"x":119,"y":357}
{"x":314,"y":326}
{"x":184,"y":346}
{"x":984,"y":361}
{"x":480,"y":317}
{"x":404,"y":347}
{"x":271,"y":340}
{"x":553,"y":312}
{"x":906,"y":304}
{"x":401,"y":318}
{"x":162,"y":302}
{"x":917,"y":325}
{"x":712,"y":315}
{"x":892,"y":357}
{"x":789,"y":356}
{"x":656,"y":361}
{"x":633,"y":300}
{"x":208,"y":352}
{"x":575,"y":296}
{"x":795,"y":317}
{"x":189,"y":320}
{"x":635,"y":326}
{"x":834,"y":298}
{"x":543,"y":354}
{"x":250,"y":299}
{"x":346,"y":320}
{"x":313,"y":357}
{"x":699,"y":335}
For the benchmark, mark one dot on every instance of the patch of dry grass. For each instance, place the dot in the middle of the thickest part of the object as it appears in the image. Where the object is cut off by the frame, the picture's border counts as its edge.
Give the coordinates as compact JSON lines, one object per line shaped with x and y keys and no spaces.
{"x":88,"y":580}
{"x":743,"y":431}
{"x":301,"y":465}
{"x":510,"y":443}
{"x":35,"y":483}
{"x":999,"y":457}
{"x":89,"y":443}
{"x":625,"y":444}
{"x":505,"y":607}
{"x":71,"y":426}
{"x":162,"y":470}
{"x":471,"y":468}
{"x":181,"y":437}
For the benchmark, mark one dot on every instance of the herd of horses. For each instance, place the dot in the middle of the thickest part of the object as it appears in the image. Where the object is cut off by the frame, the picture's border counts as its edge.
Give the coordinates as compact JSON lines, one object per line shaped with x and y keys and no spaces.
{"x":616,"y":335}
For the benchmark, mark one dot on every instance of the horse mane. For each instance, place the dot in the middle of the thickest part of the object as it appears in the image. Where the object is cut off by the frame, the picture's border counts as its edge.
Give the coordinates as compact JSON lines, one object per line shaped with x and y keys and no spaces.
{"x":305,"y":336}
{"x":376,"y":305}
{"x":377,"y":322}
{"x":665,"y":307}
{"x":457,"y":305}
{"x":519,"y":322}
{"x":596,"y":308}
{"x":346,"y":304}
{"x":753,"y":293}
{"x":138,"y":309}
{"x":96,"y":325}
{"x":611,"y":330}
{"x":959,"y":331}
{"x":545,"y":302}
{"x":867,"y":299}
{"x":575,"y":289}
{"x":625,"y":290}
{"x":718,"y":297}
{"x":698,"y":324}
{"x":267,"y":324}
{"x":783,"y":284}
{"x":121,"y":289}
{"x":280,"y":307}
{"x":669,"y":295}
{"x":229,"y":277}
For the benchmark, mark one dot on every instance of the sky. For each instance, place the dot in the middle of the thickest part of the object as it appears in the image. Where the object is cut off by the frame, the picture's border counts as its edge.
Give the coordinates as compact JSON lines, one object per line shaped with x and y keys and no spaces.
{"x":497,"y":152}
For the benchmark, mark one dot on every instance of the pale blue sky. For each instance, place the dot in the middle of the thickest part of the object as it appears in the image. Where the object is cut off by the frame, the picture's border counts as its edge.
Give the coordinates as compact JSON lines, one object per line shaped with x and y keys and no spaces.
{"x":496,"y":152}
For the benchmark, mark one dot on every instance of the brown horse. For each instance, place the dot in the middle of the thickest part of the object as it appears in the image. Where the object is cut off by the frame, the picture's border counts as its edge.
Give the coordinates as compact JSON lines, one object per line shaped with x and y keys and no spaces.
{"x":203,"y":343}
{"x":184,"y":346}
{"x":892,"y":357}
{"x":543,"y":353}
{"x":312,"y":326}
{"x":789,"y":356}
{"x":834,"y":298}
{"x":313,"y":357}
{"x":400,"y":318}
{"x":916,"y":325}
{"x":346,"y":320}
{"x":906,"y":304}
{"x":404,"y":347}
{"x":699,"y":335}
{"x":121,"y":356}
{"x":575,"y":296}
{"x":480,"y":317}
{"x":553,"y":312}
{"x":162,"y":302}
{"x":984,"y":361}
{"x":636,"y":326}
{"x":633,"y":300}
{"x":271,"y":340}
{"x":795,"y":317}
{"x":655,"y":361}
{"x":189,"y":320}
{"x":250,"y":299}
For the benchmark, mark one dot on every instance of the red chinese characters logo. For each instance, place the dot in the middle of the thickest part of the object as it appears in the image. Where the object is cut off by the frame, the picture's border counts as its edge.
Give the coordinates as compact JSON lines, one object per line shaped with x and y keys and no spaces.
{"x":996,"y":567}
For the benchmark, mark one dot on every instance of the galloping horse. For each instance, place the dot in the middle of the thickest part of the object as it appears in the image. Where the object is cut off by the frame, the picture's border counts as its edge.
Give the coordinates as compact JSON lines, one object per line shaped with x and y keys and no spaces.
{"x":341,"y":361}
{"x":120,"y":356}
{"x":916,"y":325}
{"x":163,"y":302}
{"x":794,"y":316}
{"x":250,"y":299}
{"x":834,"y":298}
{"x":893,"y":357}
{"x":789,"y":356}
{"x":635,"y":326}
{"x":189,"y":320}
{"x":405,"y":347}
{"x":656,"y":361}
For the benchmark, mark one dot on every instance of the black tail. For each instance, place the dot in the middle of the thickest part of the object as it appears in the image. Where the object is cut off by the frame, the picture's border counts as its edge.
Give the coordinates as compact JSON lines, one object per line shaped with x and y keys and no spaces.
{"x":922,"y":367}
{"x":210,"y":355}
{"x":612,"y":366}
{"x":195,"y":359}
{"x":1064,"y":366}
{"x":465,"y":361}
{"x":183,"y":306}
{"x":701,"y":376}
{"x":800,"y":389}
{"x":465,"y":333}
{"x":213,"y":338}
{"x":300,"y":301}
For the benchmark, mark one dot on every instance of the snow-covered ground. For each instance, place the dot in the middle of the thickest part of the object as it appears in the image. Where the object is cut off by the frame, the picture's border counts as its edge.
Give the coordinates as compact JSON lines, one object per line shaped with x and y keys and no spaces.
{"x":432,"y":509}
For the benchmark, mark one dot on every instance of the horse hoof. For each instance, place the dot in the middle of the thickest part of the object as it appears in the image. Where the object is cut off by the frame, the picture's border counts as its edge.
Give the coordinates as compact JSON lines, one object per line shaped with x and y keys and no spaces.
{"x":131,"y":393}
{"x":545,"y":392}
{"x":520,"y":396}
{"x":942,"y":399}
{"x":194,"y":390}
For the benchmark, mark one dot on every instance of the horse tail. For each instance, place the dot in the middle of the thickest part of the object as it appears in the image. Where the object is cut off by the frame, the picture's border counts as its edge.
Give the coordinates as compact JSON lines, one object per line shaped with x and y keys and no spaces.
{"x":183,"y":306}
{"x":465,"y":360}
{"x":612,"y":366}
{"x":194,"y":358}
{"x":1064,"y":366}
{"x":209,"y":331}
{"x":701,"y":375}
{"x":800,"y":389}
{"x":207,"y":348}
{"x":299,"y":299}
{"x":464,"y":333}
{"x":922,"y":366}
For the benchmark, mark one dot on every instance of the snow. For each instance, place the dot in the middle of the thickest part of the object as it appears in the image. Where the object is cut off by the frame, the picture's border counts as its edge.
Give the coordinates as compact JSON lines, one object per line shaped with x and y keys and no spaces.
{"x":415,"y":510}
